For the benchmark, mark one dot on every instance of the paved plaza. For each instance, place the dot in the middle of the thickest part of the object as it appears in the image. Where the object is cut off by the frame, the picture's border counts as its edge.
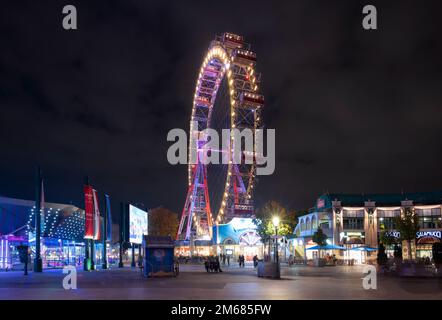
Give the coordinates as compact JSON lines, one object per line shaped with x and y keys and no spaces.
{"x":298,"y":282}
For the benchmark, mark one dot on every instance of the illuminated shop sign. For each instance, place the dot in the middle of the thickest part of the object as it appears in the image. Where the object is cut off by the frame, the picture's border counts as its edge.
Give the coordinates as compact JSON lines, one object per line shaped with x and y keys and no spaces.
{"x":419,"y":234}
{"x":433,"y":233}
{"x":394,"y":234}
{"x":320,"y":203}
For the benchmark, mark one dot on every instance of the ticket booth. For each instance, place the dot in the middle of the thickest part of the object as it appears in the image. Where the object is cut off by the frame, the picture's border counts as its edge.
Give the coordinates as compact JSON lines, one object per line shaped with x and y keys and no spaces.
{"x":159,"y":256}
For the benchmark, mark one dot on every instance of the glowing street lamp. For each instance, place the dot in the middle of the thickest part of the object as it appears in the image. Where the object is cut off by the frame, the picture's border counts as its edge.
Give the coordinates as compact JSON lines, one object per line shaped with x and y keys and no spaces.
{"x":275,"y":221}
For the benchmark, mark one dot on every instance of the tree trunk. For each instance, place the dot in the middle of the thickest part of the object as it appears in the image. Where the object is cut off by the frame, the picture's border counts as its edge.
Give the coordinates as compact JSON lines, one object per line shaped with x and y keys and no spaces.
{"x":410,"y":256}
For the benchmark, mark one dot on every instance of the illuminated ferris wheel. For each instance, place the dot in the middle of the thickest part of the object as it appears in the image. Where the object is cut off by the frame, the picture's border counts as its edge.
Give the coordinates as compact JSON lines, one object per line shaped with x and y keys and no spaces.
{"x":227,"y":96}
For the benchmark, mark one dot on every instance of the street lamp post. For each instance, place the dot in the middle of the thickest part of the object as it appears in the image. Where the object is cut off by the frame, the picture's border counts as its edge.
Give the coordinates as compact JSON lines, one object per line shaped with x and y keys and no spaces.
{"x":275,"y":221}
{"x":38,"y":264}
{"x":276,"y":245}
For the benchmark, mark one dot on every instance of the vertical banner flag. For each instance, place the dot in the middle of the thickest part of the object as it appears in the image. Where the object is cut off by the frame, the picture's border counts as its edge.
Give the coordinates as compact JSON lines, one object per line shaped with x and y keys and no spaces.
{"x":89,"y":212}
{"x":109,"y":219}
{"x":96,"y":216}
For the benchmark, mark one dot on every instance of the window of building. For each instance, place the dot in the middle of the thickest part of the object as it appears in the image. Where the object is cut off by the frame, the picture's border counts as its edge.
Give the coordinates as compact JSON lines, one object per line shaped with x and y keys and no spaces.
{"x":324,"y":225}
{"x":314,"y":223}
{"x":353,"y":223}
{"x":354,"y":213}
{"x":353,"y":219}
{"x":429,"y":218}
{"x":386,"y":218}
{"x":431,"y":222}
{"x":386,"y":223}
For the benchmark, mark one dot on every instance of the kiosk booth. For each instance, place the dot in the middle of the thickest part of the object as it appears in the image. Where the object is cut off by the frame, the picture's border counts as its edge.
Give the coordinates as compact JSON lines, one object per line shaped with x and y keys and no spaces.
{"x":158,"y":256}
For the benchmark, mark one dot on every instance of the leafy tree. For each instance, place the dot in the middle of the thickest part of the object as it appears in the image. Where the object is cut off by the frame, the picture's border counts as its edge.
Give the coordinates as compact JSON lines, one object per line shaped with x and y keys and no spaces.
{"x":397,"y":251}
{"x":386,"y":238}
{"x":437,"y":253}
{"x":320,"y":238}
{"x":163,"y":222}
{"x":408,"y":224}
{"x":264,"y":224}
{"x":382,"y":256}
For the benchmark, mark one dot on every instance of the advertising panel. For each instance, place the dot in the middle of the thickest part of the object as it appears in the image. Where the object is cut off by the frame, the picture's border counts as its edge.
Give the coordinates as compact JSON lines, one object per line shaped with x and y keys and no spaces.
{"x":137,"y":224}
{"x":89,"y":212}
{"x":239,"y":231}
{"x":96,"y":217}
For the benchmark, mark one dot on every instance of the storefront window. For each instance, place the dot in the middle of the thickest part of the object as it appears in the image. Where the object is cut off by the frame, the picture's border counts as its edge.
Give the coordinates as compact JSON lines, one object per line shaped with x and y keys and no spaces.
{"x":424,"y":251}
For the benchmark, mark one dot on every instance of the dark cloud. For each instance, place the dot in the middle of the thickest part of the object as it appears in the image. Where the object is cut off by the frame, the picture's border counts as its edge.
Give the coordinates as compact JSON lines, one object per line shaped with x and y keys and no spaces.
{"x":354,"y":110}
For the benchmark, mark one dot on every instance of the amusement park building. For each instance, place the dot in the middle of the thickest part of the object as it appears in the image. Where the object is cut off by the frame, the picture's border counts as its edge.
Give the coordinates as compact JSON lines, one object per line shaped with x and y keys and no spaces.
{"x":62,"y":233}
{"x":353,"y":220}
{"x":237,"y":237}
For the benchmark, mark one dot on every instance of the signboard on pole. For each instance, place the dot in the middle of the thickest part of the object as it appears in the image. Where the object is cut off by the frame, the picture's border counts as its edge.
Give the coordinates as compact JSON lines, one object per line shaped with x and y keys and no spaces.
{"x":96,"y":217}
{"x":89,"y":212}
{"x":137,"y":224}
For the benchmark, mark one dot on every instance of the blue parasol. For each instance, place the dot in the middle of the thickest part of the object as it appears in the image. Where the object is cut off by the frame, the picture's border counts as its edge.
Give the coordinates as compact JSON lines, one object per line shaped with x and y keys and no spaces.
{"x":327,"y":247}
{"x":364,"y":248}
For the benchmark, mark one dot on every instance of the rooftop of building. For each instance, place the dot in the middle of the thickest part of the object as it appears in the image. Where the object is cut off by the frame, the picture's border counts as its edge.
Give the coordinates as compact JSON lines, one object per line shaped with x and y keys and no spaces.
{"x":64,"y":221}
{"x":380,"y":199}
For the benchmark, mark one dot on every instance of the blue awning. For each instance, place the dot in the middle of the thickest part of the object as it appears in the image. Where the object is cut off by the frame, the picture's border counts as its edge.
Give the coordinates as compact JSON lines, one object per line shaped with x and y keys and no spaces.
{"x":327,"y":247}
{"x":363,"y":248}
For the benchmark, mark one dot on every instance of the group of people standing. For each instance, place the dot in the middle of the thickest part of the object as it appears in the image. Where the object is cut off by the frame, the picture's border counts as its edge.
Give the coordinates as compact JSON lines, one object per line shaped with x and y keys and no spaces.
{"x":225,"y":257}
{"x":213,"y":263}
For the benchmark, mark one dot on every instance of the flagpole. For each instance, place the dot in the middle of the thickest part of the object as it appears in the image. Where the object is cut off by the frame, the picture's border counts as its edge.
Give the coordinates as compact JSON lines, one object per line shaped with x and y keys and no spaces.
{"x":104,"y":254}
{"x":122,"y":233}
{"x":86,"y":265}
{"x":94,"y":228}
{"x":38,"y":264}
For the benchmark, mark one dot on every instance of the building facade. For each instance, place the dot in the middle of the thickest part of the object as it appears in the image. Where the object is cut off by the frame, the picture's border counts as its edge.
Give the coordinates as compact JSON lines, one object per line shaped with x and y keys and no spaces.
{"x":355,"y":222}
{"x":62,"y":232}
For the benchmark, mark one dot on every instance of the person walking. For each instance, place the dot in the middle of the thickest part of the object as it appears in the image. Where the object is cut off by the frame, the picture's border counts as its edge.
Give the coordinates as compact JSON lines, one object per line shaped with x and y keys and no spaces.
{"x":255,"y":261}
{"x":228,"y":260}
{"x":241,"y":261}
{"x":207,"y":264}
{"x":217,"y":265}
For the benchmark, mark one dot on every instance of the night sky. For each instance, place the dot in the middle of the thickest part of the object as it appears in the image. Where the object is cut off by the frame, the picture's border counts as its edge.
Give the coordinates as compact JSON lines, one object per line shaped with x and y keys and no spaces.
{"x":354,"y":110}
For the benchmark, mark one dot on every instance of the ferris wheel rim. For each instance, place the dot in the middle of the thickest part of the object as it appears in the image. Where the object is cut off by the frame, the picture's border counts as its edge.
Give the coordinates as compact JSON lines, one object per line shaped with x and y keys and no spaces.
{"x":219,"y":53}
